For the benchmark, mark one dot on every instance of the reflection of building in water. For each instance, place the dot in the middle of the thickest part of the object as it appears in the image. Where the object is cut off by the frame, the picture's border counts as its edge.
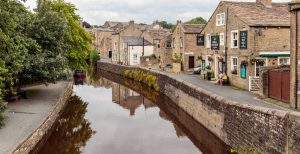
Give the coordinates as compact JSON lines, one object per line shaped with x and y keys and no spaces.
{"x":126,"y":98}
{"x":179,"y":132}
{"x":129,"y":99}
{"x":101,"y":82}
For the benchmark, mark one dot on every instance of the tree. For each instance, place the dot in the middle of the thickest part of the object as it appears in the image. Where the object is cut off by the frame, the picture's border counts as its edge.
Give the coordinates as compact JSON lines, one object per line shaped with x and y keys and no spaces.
{"x":198,"y":20}
{"x":49,"y":29}
{"x":78,"y":38}
{"x":167,"y":25}
{"x":14,"y":44}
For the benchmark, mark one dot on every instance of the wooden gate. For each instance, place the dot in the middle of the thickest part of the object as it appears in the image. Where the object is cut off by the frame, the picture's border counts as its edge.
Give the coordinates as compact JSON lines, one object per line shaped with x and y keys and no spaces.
{"x":191,"y":61}
{"x":279,"y":85}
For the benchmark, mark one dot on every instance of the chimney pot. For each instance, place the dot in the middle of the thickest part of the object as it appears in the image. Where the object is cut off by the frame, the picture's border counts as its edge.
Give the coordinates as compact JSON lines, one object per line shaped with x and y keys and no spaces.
{"x":266,"y":3}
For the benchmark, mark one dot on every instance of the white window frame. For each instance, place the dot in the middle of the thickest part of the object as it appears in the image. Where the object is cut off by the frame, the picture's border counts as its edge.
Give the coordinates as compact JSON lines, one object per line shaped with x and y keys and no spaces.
{"x":237,"y":64}
{"x":222,"y":39}
{"x":181,"y":42}
{"x":220,"y":19}
{"x":289,"y":60}
{"x":208,"y":41}
{"x":115,"y":46}
{"x":232,"y":39}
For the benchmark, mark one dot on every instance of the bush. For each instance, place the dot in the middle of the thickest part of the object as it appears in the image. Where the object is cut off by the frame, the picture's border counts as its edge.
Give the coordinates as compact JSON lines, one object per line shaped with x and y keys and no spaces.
{"x":3,"y":106}
{"x":141,"y":76}
{"x":94,"y":56}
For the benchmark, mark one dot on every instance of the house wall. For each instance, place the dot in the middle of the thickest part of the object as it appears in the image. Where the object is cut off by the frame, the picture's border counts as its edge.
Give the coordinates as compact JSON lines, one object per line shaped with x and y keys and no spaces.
{"x":148,"y":51}
{"x":259,"y":39}
{"x":166,"y":54}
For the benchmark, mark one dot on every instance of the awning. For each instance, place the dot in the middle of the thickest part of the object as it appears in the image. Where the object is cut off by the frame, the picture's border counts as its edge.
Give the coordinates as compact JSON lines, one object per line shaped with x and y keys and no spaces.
{"x":275,"y":54}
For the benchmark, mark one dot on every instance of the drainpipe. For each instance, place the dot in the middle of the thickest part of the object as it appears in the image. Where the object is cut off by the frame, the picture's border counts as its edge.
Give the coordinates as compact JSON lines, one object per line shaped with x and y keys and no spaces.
{"x":119,"y":48}
{"x":296,"y":61}
{"x":143,"y":46}
{"x":226,"y":40}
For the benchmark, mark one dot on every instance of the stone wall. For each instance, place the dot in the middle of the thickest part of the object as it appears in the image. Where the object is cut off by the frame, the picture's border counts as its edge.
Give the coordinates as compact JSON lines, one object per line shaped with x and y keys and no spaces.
{"x":238,"y":125}
{"x":32,"y":141}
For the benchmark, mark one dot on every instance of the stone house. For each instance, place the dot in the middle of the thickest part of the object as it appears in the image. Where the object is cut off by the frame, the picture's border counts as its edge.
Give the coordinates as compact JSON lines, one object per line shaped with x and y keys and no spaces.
{"x":102,"y":41}
{"x":240,"y":37}
{"x":184,"y":43}
{"x":166,"y":52}
{"x":295,"y":54}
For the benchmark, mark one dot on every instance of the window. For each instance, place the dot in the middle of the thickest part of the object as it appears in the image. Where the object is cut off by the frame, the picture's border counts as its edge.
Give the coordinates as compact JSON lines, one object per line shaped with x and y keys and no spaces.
{"x":220,"y":19}
{"x":208,"y":42}
{"x":234,"y":39}
{"x":115,"y":46}
{"x":157,"y":43}
{"x":181,"y":42}
{"x":283,"y":61}
{"x":135,"y":58}
{"x":222,"y":39}
{"x":168,"y":45}
{"x":262,"y":62}
{"x":234,"y":64}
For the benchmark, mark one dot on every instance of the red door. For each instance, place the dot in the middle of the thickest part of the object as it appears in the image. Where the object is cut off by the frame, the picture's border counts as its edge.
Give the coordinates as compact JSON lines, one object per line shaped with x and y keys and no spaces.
{"x":279,"y":85}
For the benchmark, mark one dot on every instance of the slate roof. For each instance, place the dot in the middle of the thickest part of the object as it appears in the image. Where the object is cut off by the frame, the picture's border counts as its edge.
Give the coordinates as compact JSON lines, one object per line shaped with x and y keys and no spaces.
{"x":255,"y":14}
{"x":192,"y":28}
{"x":135,"y":41}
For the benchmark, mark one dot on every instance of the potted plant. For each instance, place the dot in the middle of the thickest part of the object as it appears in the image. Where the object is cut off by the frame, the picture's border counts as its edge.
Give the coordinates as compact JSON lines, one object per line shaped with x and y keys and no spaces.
{"x":244,"y":62}
{"x":208,"y":72}
{"x":199,"y":58}
{"x":210,"y":59}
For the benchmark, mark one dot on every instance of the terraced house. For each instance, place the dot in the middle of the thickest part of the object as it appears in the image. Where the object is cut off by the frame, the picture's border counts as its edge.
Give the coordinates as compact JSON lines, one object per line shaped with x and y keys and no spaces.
{"x":241,"y":37}
{"x":185,"y":44}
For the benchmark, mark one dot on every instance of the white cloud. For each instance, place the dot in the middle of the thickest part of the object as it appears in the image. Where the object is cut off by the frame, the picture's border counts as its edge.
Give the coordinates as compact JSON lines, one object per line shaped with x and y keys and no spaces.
{"x":146,"y":11}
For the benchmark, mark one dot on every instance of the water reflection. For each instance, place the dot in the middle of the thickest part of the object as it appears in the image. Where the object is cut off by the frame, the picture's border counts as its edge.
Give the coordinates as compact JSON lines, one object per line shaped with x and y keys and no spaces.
{"x":72,"y":130}
{"x":133,"y":120}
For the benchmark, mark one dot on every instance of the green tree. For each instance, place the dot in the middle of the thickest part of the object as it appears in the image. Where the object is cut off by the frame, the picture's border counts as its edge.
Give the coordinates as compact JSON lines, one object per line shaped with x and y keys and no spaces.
{"x":78,"y":38}
{"x":198,"y":20}
{"x":49,"y":29}
{"x":167,"y":25}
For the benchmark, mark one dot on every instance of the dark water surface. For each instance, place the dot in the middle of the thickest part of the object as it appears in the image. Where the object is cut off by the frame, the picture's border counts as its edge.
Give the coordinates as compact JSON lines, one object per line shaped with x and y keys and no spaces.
{"x":104,"y":117}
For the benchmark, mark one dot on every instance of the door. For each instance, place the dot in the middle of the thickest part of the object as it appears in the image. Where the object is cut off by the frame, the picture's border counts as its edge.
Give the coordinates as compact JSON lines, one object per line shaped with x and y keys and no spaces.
{"x":279,"y":85}
{"x":191,"y":61}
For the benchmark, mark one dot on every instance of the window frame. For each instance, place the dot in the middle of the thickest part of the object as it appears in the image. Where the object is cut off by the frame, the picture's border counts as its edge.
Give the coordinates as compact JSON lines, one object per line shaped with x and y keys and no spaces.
{"x":237,"y":64}
{"x":289,"y":60}
{"x":133,"y":58}
{"x":222,"y":41}
{"x":220,"y":19}
{"x":232,"y":39}
{"x":170,"y":45}
{"x":208,"y":42}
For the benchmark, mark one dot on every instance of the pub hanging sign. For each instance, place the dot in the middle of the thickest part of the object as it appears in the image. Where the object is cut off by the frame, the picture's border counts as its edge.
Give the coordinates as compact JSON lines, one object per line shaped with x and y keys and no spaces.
{"x":215,"y":42}
{"x":243,"y":39}
{"x":200,"y":40}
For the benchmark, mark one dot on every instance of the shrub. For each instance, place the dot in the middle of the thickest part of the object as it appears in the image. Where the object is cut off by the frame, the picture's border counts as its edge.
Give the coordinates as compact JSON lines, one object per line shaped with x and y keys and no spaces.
{"x":3,"y":106}
{"x":177,"y":58}
{"x":141,"y":76}
{"x":94,"y":56}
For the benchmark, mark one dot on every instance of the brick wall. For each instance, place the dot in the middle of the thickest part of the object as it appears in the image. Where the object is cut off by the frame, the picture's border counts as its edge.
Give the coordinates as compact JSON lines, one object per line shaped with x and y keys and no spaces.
{"x":268,"y":130}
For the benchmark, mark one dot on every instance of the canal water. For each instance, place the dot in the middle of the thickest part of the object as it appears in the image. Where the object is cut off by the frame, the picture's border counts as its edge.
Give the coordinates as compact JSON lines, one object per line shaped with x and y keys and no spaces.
{"x":119,"y":116}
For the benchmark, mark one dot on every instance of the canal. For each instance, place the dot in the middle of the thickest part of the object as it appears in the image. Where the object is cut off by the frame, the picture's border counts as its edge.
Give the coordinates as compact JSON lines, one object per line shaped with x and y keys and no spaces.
{"x":112,"y":115}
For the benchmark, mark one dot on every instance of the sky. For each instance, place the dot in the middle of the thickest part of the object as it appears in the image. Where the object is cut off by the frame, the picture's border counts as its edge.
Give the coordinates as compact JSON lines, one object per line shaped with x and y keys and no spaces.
{"x":96,"y":12}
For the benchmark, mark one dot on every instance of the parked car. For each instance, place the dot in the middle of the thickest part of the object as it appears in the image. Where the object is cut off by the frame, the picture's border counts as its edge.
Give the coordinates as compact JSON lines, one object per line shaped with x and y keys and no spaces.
{"x":197,"y":70}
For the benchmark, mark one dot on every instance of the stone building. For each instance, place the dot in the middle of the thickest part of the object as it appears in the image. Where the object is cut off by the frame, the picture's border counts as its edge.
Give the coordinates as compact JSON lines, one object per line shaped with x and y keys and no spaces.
{"x":166,"y":51}
{"x":152,"y":35}
{"x":295,"y":53}
{"x":102,"y":41}
{"x":240,"y":37}
{"x":184,"y":43}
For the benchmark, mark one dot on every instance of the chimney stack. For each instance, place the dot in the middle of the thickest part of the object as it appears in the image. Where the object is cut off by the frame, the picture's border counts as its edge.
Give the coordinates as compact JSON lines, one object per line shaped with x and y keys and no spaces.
{"x":131,"y":22}
{"x":178,"y":21}
{"x":266,"y":3}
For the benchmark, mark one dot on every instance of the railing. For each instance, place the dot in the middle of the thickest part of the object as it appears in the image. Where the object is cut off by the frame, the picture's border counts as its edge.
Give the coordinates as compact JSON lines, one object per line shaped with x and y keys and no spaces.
{"x":254,"y":83}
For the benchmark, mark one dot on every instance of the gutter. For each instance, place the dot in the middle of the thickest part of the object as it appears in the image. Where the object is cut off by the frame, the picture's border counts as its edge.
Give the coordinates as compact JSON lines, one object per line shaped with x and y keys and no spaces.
{"x":296,"y":62}
{"x":226,"y":40}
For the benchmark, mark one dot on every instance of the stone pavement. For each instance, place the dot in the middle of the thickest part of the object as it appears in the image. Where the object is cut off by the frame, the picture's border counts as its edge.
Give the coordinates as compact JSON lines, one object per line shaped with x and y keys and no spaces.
{"x":237,"y":95}
{"x":26,"y":115}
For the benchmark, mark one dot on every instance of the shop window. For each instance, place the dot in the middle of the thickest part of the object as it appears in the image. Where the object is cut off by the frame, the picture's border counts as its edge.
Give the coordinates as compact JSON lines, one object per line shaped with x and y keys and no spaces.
{"x":283,"y":61}
{"x":222,"y":39}
{"x":234,"y":65}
